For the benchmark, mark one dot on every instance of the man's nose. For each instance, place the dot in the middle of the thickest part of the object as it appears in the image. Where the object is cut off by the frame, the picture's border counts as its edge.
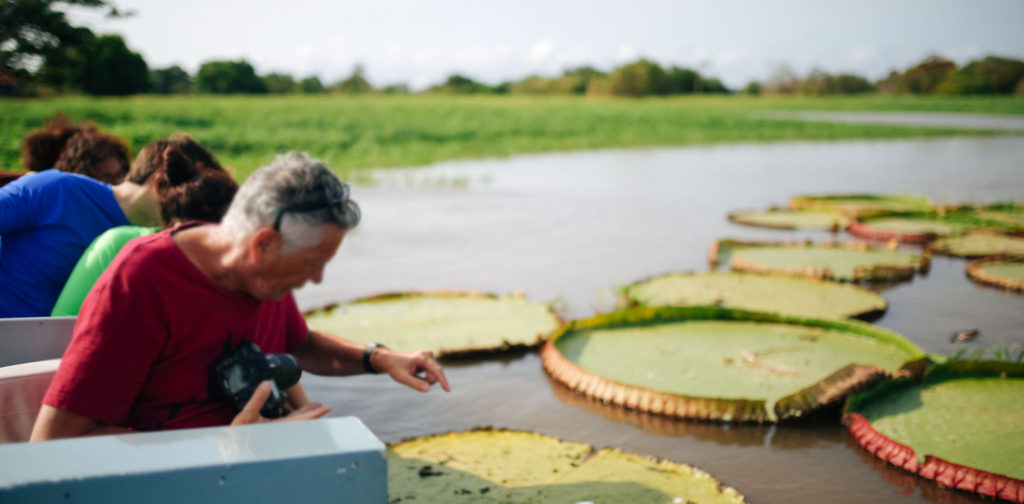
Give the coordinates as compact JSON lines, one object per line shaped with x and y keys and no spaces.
{"x":317,"y":276}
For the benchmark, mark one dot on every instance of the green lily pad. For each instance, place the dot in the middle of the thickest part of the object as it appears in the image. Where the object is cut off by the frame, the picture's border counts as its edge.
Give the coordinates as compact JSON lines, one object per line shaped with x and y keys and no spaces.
{"x":792,"y":219}
{"x":1003,"y":273}
{"x":770,"y":293}
{"x":489,"y":465}
{"x":1007,"y":212}
{"x":845,"y":262}
{"x":979,"y":245}
{"x":722,"y":364}
{"x":861,"y":204}
{"x":919,"y":227}
{"x":449,"y":323}
{"x":961,"y":426}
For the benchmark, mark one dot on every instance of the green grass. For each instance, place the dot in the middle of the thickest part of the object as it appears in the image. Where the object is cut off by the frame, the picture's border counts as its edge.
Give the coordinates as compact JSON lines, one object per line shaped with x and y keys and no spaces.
{"x":378,"y":131}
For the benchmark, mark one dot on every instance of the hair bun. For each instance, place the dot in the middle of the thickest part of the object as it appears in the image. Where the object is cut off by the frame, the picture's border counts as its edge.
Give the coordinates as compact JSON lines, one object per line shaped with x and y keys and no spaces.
{"x":178,"y":166}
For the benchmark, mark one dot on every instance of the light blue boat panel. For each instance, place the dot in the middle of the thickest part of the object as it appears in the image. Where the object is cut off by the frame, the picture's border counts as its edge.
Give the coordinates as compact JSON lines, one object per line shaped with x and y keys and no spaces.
{"x":34,"y":338}
{"x":325,"y":460}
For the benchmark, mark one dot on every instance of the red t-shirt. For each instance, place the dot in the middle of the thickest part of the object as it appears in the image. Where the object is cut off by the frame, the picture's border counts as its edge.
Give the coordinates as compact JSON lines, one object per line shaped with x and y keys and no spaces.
{"x":149,"y":333}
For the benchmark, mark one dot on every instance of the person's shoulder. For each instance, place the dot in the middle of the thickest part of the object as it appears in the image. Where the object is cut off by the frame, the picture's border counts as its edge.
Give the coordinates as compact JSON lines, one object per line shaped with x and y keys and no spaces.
{"x":144,"y":252}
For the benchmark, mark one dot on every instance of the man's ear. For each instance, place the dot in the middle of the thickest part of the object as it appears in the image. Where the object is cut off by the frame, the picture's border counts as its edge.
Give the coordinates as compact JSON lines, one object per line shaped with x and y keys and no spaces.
{"x":263,"y":242}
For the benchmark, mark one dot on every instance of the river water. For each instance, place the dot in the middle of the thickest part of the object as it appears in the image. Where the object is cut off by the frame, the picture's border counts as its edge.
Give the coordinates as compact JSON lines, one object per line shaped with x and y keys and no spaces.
{"x":572,"y":227}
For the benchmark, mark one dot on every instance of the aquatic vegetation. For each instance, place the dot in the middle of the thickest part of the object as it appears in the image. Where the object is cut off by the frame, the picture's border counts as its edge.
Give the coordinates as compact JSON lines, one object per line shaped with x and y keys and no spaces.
{"x":351,"y":133}
{"x":920,"y":227}
{"x":449,"y":323}
{"x":979,"y":245}
{"x":769,"y":293}
{"x":723,"y":364}
{"x":859,"y":205}
{"x":1003,"y":273}
{"x":840,"y":261}
{"x":792,"y":219}
{"x":492,"y":465}
{"x":960,"y":426}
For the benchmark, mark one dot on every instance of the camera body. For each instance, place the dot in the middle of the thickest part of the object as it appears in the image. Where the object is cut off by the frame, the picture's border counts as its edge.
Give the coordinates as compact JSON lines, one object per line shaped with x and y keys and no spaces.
{"x":240,"y":371}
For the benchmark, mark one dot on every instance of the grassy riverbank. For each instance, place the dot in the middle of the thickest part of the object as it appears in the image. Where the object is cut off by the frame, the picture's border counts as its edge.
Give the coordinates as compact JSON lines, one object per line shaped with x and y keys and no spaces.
{"x":377,"y":131}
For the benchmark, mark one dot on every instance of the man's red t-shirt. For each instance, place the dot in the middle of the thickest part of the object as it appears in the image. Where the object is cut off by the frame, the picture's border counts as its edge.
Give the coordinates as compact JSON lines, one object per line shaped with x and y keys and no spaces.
{"x":149,"y":333}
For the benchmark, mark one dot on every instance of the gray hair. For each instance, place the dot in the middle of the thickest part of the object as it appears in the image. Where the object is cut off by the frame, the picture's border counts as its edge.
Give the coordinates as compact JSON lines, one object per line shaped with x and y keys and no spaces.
{"x":292,"y":179}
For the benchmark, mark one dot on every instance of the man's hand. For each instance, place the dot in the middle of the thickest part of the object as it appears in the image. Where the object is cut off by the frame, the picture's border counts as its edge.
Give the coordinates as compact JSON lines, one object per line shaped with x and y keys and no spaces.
{"x":250,"y":414}
{"x":418,"y":370}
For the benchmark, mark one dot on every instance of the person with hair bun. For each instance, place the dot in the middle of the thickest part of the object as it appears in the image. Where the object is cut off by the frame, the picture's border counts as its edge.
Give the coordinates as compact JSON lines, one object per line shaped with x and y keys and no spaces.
{"x":151,"y":156}
{"x":189,"y":191}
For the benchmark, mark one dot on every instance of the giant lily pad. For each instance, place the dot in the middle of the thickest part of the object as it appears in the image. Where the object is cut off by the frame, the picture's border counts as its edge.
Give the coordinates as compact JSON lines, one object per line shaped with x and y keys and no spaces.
{"x":1003,"y":273}
{"x":861,"y":204}
{"x":792,"y":219}
{"x":449,"y":323}
{"x":919,"y":227}
{"x":488,"y":465}
{"x":1006,"y":212}
{"x":961,"y":426}
{"x":979,"y":245}
{"x":770,"y":293}
{"x":722,"y":364}
{"x":846,"y":262}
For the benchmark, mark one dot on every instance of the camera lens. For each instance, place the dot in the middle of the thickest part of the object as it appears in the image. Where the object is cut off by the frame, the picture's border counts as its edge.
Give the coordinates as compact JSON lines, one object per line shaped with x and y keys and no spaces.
{"x":284,"y":369}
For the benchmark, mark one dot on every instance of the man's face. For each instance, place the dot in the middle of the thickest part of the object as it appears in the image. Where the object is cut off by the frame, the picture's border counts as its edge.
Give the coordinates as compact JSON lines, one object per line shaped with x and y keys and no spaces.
{"x":278,"y":273}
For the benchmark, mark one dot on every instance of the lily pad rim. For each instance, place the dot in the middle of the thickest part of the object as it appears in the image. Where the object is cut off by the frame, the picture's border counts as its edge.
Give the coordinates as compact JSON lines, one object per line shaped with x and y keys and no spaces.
{"x":976,"y":272}
{"x":904,"y":456}
{"x":674,"y":405}
{"x":456,"y":353}
{"x":625,"y":301}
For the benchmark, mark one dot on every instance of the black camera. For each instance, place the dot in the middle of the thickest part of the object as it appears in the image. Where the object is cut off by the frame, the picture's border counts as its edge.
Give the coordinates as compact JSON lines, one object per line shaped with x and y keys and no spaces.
{"x":241,"y":370}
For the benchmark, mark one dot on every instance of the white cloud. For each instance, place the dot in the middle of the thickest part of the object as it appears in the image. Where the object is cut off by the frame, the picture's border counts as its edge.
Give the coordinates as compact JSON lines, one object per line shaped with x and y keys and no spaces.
{"x":541,"y":50}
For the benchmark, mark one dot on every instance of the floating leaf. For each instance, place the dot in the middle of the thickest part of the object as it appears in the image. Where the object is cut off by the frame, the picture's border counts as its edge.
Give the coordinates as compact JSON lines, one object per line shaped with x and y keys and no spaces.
{"x":449,"y":323}
{"x":490,"y":465}
{"x":724,"y":364}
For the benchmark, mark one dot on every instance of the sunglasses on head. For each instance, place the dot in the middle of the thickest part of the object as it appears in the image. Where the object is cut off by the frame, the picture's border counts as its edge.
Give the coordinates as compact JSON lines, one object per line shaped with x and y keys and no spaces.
{"x":336,"y":205}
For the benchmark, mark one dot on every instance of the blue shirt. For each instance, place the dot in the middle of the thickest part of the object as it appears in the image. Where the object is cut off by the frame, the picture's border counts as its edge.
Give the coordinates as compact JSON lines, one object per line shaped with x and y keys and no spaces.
{"x":46,"y":222}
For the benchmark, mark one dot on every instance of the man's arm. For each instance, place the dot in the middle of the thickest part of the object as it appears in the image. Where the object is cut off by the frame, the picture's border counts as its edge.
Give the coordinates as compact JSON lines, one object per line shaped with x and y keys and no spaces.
{"x":55,"y":423}
{"x":328,"y":355}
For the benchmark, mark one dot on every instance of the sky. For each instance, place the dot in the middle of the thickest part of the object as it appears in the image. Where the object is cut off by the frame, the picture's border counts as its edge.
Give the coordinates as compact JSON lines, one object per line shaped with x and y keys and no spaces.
{"x":420,"y":43}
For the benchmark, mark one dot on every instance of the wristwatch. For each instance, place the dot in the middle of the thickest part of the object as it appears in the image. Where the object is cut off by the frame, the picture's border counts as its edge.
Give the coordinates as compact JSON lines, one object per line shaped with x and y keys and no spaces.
{"x":366,"y":357}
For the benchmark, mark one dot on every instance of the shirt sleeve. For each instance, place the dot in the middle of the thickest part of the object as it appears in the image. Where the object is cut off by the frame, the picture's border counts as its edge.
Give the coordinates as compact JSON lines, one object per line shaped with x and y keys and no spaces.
{"x":115,"y":342}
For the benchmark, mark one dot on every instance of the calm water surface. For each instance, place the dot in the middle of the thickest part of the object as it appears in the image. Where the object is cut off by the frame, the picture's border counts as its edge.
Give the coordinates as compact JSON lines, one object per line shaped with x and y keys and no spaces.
{"x":571,"y":228}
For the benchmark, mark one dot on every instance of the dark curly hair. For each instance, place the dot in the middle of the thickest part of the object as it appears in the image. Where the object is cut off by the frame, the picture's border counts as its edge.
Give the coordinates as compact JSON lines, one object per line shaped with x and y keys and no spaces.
{"x":86,"y":150}
{"x":189,"y":190}
{"x":151,"y":157}
{"x":41,"y":149}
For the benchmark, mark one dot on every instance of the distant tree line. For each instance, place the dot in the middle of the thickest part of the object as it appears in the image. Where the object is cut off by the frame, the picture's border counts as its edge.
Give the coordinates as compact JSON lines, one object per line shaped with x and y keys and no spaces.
{"x":42,"y":53}
{"x":933,"y":76}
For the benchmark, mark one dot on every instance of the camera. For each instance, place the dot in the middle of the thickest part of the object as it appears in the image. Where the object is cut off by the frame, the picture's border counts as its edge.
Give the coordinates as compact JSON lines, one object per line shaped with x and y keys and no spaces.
{"x":240,"y":371}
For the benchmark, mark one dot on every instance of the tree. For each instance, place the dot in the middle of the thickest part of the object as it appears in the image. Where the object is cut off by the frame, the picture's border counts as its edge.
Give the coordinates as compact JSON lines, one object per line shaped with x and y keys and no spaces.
{"x":222,"y":77}
{"x":355,"y":83}
{"x":170,"y":80}
{"x":31,"y":31}
{"x":640,"y":78}
{"x":279,"y":83}
{"x":1000,"y":75}
{"x":681,"y":80}
{"x":460,"y":84}
{"x":100,"y":65}
{"x":311,"y":85}
{"x":924,"y":77}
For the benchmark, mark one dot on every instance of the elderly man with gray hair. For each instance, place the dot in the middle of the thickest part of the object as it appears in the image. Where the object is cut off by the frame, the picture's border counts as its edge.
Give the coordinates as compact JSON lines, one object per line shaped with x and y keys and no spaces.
{"x":149,"y":347}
